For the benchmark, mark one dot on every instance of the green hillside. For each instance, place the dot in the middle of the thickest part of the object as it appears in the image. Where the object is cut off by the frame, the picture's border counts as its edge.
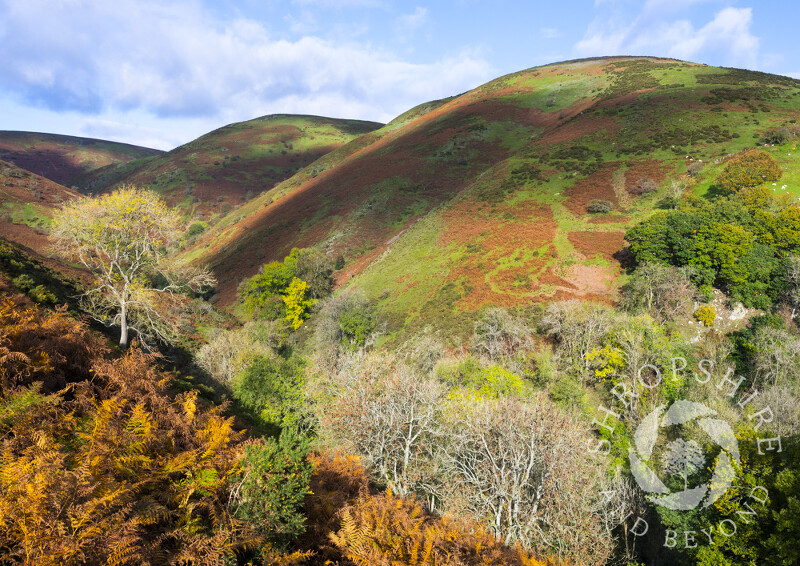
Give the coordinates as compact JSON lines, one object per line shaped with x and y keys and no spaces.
{"x":482,"y":199}
{"x":65,"y":158}
{"x":224,"y":168}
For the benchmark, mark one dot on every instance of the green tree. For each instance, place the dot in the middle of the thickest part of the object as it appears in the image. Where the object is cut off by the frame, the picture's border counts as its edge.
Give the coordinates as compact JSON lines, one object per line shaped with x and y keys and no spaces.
{"x":298,"y":303}
{"x":273,"y":390}
{"x":123,"y":239}
{"x":273,"y":483}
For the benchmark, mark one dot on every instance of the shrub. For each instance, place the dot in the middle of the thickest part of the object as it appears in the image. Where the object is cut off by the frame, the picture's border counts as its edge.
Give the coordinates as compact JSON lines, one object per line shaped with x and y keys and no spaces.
{"x":345,"y":322}
{"x":706,"y":314}
{"x":644,"y":186}
{"x":273,"y":390}
{"x":694,"y":168}
{"x":749,"y":169}
{"x":272,"y":485}
{"x":601,"y":206}
{"x":196,"y":229}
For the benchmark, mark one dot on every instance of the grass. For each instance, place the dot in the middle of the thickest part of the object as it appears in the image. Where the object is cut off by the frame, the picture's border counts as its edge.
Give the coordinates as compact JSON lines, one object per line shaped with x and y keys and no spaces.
{"x":665,"y":116}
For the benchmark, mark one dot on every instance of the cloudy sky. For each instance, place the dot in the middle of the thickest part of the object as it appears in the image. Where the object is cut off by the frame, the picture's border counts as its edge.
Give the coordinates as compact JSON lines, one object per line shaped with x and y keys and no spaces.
{"x":160,"y":73}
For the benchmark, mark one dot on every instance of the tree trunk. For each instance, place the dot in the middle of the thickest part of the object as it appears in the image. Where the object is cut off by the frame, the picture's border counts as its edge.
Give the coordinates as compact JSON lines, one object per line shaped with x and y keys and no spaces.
{"x":123,"y":338}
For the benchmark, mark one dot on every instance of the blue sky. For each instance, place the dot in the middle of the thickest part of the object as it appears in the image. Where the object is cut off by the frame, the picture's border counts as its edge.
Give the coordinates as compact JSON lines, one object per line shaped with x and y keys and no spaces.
{"x":161,"y":73}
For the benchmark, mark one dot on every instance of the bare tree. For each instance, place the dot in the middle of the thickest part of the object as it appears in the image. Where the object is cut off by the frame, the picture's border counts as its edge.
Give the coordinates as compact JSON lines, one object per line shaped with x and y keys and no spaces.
{"x":499,"y":335}
{"x":577,"y":329}
{"x":792,"y":278}
{"x":776,"y":357}
{"x":664,"y":291}
{"x":386,"y":413}
{"x":519,"y":465}
{"x":676,"y":189}
{"x":123,"y":239}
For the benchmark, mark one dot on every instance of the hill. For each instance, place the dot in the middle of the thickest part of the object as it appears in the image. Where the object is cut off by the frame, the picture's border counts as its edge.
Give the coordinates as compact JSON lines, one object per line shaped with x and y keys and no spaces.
{"x":482,"y":199}
{"x":222,"y":169}
{"x":27,"y":202}
{"x":64,"y":158}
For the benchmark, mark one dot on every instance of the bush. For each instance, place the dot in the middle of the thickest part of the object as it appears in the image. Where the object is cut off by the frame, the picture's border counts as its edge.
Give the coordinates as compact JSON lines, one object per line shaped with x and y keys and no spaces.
{"x":749,"y":169}
{"x":273,"y":390}
{"x":644,"y":186}
{"x":345,"y":322}
{"x":272,"y":486}
{"x":600,"y":206}
{"x":706,"y":314}
{"x":196,"y":229}
{"x":694,"y":168}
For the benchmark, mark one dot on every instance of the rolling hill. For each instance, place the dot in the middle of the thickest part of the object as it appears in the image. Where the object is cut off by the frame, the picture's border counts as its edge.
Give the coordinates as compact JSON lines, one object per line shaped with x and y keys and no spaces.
{"x":481,"y":199}
{"x":222,"y":169}
{"x":27,"y":202}
{"x":64,"y":158}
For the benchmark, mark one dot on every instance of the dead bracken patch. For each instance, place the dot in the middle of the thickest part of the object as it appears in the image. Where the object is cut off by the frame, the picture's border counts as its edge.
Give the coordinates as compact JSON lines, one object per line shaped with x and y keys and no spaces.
{"x":597,"y":186}
{"x":592,"y":243}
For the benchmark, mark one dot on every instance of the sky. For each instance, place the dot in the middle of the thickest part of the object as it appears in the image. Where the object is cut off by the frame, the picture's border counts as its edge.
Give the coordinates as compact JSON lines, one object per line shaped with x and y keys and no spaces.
{"x":160,"y":73}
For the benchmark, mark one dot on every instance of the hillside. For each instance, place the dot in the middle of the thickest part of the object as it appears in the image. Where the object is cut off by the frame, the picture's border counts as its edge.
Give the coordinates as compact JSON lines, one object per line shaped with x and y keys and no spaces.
{"x":27,"y":203}
{"x":64,"y":158}
{"x":224,"y":168}
{"x":481,"y":199}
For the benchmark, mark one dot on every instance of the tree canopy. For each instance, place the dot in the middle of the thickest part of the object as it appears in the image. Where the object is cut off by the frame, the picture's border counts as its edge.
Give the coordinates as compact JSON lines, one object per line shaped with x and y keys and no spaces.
{"x":123,"y":239}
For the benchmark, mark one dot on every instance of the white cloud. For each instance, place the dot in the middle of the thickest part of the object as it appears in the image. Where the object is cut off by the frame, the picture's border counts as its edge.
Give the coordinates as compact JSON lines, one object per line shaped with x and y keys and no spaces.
{"x":726,"y":39}
{"x":176,"y":61}
{"x":414,"y":20}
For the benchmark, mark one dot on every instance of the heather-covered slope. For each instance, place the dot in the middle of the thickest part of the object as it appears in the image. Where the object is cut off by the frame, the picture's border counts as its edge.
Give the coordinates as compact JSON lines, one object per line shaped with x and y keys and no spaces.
{"x":64,"y":158}
{"x":500,"y":179}
{"x":27,"y":203}
{"x":224,"y":168}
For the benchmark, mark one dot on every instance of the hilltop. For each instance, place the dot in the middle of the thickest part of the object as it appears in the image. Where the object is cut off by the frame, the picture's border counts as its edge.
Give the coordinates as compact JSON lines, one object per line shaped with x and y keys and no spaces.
{"x":224,"y":168}
{"x":64,"y":158}
{"x":481,"y":199}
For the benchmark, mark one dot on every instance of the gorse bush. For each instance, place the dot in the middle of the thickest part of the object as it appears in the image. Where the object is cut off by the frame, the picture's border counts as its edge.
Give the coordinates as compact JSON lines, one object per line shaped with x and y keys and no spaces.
{"x":271,"y":487}
{"x":749,"y":169}
{"x":272,"y":389}
{"x":599,"y":206}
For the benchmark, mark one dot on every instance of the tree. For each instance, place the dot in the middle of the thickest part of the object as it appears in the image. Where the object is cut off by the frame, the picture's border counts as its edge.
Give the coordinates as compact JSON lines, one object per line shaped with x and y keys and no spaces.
{"x":123,"y":239}
{"x":750,"y":169}
{"x":684,"y":459}
{"x":519,"y":466}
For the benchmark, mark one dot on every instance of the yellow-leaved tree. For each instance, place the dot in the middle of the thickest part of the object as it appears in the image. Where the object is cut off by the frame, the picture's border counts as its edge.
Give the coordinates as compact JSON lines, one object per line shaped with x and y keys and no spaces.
{"x":124,"y":239}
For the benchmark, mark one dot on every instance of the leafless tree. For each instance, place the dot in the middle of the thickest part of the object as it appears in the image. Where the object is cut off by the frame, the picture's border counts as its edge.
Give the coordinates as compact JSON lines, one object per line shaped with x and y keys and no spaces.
{"x":577,"y":329}
{"x":385,"y":412}
{"x":664,"y":291}
{"x":520,"y":466}
{"x":792,"y":278}
{"x":777,"y":357}
{"x":499,"y":335}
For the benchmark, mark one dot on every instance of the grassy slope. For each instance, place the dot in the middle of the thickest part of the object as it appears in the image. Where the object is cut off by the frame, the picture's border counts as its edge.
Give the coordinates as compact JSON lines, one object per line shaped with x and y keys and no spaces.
{"x":500,"y":178}
{"x":27,"y":202}
{"x":226,"y":167}
{"x":64,"y":158}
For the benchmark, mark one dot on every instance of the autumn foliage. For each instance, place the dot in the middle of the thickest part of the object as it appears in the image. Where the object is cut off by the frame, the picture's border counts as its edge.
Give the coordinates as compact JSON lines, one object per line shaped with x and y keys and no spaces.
{"x":750,"y":169}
